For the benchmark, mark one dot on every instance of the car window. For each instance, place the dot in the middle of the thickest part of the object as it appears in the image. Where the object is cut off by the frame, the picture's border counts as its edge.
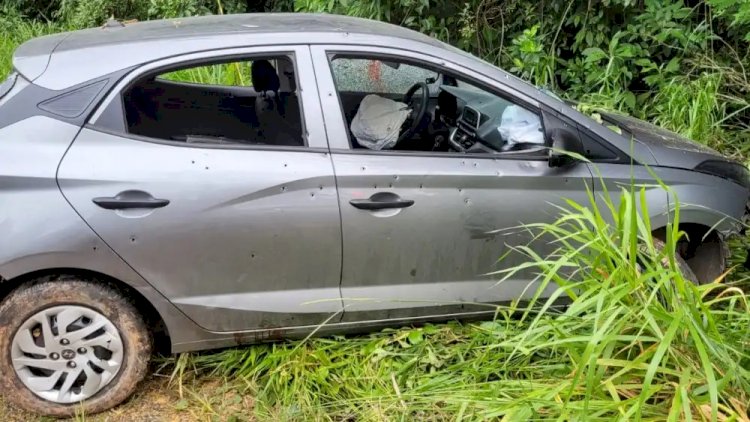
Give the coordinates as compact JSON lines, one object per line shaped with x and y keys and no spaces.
{"x":226,"y":74}
{"x":243,"y":102}
{"x":459,"y":116}
{"x":381,"y":76}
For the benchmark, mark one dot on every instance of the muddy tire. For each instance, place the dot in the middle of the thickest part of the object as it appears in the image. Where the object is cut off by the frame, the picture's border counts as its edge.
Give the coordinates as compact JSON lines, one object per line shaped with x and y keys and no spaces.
{"x":682,"y":265}
{"x":89,"y":356}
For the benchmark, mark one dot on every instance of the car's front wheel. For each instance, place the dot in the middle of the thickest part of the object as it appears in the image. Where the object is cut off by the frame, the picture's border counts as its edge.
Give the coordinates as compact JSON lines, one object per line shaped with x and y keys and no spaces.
{"x":70,"y":346}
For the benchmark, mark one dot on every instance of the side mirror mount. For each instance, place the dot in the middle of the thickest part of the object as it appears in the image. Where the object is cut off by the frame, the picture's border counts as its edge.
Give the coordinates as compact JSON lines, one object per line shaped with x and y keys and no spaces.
{"x":566,"y":147}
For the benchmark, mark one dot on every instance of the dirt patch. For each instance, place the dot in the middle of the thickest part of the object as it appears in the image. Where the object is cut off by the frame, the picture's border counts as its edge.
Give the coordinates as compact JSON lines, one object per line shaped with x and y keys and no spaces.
{"x":204,"y":399}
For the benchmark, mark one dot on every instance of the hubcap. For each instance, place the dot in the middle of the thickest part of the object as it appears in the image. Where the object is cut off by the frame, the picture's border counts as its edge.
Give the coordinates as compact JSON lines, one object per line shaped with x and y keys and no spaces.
{"x":67,"y":353}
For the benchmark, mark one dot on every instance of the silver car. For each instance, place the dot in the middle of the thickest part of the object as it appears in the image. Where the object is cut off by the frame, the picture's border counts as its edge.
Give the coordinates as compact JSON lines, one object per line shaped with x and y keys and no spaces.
{"x":207,"y":182}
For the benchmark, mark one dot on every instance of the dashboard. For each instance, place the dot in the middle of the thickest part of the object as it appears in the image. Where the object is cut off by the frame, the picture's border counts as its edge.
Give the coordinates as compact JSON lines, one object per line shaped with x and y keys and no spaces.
{"x":476,"y":119}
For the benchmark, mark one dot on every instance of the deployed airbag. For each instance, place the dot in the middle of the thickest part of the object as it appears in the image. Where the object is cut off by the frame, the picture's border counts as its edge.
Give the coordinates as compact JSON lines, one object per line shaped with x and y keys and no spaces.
{"x":378,"y":122}
{"x":520,"y":126}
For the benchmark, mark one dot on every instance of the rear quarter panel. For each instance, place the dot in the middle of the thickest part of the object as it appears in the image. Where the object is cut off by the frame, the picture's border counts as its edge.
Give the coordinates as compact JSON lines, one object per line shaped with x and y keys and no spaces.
{"x":40,"y":231}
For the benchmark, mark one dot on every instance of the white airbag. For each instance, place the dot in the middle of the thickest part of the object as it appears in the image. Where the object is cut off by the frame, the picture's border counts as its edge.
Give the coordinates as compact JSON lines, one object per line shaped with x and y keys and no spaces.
{"x":378,"y":122}
{"x":520,"y":126}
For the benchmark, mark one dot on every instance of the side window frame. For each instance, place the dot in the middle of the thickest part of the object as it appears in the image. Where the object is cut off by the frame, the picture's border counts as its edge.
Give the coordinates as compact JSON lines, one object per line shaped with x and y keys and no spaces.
{"x":109,"y":115}
{"x":339,"y":136}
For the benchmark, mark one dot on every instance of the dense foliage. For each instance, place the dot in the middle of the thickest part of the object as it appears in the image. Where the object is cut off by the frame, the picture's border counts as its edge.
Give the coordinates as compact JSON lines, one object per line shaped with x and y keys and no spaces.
{"x":681,"y":64}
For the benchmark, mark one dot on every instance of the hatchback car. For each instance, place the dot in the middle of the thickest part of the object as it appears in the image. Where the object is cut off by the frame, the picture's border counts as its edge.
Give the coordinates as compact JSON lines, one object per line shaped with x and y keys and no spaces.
{"x":222,"y":180}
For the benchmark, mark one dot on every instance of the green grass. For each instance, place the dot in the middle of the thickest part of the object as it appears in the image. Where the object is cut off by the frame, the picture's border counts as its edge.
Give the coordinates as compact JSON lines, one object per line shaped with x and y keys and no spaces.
{"x":227,"y":74}
{"x":15,"y":30}
{"x":638,"y":343}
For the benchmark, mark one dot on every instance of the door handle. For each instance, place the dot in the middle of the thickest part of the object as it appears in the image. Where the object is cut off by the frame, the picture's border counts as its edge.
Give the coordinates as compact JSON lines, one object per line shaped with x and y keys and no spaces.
{"x":130,"y":199}
{"x":381,"y":201}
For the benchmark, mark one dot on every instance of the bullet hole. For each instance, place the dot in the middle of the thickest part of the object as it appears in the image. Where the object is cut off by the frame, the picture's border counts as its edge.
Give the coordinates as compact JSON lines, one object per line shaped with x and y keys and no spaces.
{"x":466,"y":201}
{"x":363,"y":168}
{"x":206,"y":167}
{"x":420,"y":186}
{"x":312,"y":194}
{"x":395,"y":177}
{"x":374,"y":186}
{"x":132,"y":239}
{"x":285,"y":164}
{"x":390,"y":185}
{"x":283,"y":188}
{"x":320,"y":187}
{"x":413,"y":272}
{"x":463,"y":163}
{"x":94,"y":247}
{"x":475,"y":164}
{"x":192,"y":161}
{"x":252,"y":255}
{"x":460,"y":190}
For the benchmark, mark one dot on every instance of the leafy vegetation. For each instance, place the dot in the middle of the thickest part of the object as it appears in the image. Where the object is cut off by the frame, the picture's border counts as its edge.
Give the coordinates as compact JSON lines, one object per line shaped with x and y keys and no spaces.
{"x":638,"y":342}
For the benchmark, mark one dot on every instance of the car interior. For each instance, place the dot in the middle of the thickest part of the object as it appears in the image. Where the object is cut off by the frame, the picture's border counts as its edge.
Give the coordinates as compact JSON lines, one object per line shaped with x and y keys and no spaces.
{"x":251,"y":102}
{"x":444,"y":113}
{"x":388,"y":105}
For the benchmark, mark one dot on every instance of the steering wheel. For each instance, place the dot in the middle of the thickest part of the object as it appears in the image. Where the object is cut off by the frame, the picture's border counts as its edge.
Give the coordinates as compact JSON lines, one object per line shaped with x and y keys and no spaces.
{"x":417,"y":113}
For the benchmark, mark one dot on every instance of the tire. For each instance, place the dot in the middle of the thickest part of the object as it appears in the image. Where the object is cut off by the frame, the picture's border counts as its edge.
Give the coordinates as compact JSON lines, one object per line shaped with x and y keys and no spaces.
{"x":119,"y":345}
{"x":682,"y":265}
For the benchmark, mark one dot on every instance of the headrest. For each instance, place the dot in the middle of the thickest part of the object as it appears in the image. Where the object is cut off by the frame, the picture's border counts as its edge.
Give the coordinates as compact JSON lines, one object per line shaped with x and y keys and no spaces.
{"x":264,"y":76}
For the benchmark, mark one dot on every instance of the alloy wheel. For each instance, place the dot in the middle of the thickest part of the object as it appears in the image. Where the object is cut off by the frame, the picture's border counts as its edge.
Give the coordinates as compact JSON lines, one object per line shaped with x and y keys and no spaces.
{"x":66,"y":354}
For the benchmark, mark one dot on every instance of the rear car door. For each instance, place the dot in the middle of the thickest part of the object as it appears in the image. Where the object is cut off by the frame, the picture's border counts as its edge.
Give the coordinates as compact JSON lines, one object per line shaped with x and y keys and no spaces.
{"x":234,"y":221}
{"x":452,"y":215}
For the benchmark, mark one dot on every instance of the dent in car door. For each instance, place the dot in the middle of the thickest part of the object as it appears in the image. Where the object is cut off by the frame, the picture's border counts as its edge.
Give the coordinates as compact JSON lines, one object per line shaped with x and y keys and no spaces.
{"x":249,"y":238}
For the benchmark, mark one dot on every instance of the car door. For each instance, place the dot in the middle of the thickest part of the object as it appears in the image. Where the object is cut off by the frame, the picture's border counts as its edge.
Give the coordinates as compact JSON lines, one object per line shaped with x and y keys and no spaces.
{"x":238,"y":236}
{"x":449,"y":217}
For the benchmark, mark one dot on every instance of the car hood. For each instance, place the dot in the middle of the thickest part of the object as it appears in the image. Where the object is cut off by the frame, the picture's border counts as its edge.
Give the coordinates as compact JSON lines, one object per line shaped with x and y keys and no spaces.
{"x":668,"y":148}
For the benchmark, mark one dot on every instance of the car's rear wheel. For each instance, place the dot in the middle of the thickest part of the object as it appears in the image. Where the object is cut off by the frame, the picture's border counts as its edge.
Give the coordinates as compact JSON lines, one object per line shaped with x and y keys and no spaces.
{"x":70,"y":346}
{"x":682,"y":265}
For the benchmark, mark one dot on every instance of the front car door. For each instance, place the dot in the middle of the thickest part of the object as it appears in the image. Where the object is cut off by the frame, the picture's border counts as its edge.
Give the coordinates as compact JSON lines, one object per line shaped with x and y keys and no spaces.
{"x":452,"y":214}
{"x":234,"y":220}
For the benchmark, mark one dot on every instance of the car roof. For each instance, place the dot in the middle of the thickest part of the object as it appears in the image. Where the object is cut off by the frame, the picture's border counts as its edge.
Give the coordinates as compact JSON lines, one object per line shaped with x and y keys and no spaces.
{"x":66,"y":59}
{"x":251,"y":23}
